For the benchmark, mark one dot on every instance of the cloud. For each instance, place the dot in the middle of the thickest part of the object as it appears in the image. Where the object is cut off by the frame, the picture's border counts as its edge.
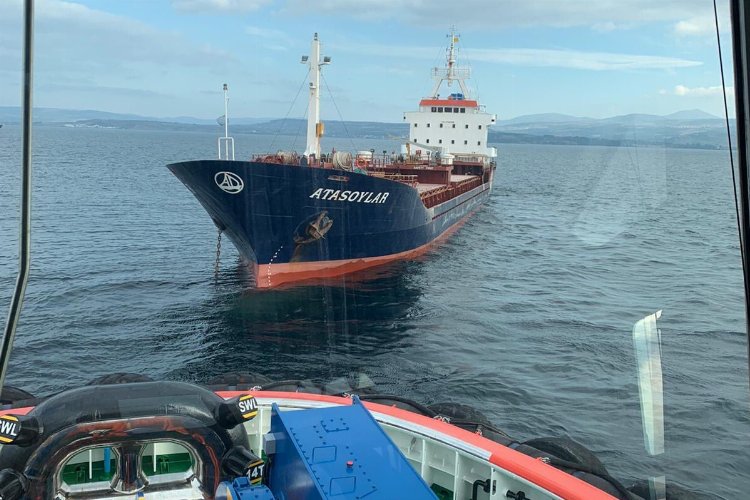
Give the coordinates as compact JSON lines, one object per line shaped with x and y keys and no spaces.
{"x":695,"y":26}
{"x":270,"y":38}
{"x":72,"y":36}
{"x":572,"y":59}
{"x":605,"y":27}
{"x":218,"y":6}
{"x":702,"y":26}
{"x":682,"y":90}
{"x":128,"y":64}
{"x":510,"y":13}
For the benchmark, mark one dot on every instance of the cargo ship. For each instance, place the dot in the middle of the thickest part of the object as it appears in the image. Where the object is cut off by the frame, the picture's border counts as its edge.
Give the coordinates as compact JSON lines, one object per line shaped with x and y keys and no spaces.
{"x":296,"y":216}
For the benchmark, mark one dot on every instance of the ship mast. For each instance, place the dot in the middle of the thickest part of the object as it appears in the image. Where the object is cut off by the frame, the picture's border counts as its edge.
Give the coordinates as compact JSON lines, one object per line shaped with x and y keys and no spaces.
{"x":314,"y":125}
{"x":451,"y":72}
{"x":226,"y":141}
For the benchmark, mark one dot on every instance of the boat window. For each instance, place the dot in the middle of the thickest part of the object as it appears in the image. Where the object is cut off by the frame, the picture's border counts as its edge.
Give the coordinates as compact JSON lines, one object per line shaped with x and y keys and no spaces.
{"x":467,"y":125}
{"x":453,"y":126}
{"x":466,"y":142}
{"x":434,"y":109}
{"x":463,"y":110}
{"x":479,"y":143}
{"x":440,"y":141}
{"x":480,"y":127}
{"x":428,"y":125}
{"x":455,"y":110}
{"x":440,"y":109}
{"x":441,"y":125}
{"x":427,"y":141}
{"x":448,"y":110}
{"x":453,"y":141}
{"x":415,"y":125}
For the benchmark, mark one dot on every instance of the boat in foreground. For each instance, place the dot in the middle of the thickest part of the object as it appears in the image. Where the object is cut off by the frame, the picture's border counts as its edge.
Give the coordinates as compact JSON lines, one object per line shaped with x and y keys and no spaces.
{"x":176,"y":440}
{"x":294,"y":217}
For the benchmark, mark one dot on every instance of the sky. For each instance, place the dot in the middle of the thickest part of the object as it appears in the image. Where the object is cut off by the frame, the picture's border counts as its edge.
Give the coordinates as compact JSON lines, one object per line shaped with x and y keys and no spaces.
{"x":169,"y":58}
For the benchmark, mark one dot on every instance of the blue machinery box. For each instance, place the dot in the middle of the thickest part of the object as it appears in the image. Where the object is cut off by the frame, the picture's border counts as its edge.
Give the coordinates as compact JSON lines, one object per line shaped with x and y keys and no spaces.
{"x":337,"y":452}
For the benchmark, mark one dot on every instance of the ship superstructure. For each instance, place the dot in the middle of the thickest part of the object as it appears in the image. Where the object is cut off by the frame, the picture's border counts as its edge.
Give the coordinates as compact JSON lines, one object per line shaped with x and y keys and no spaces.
{"x":318,"y":214}
{"x":456,"y":124}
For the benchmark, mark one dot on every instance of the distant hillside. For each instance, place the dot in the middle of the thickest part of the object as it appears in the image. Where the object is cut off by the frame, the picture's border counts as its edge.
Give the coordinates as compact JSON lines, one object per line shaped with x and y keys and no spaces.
{"x":545,"y":118}
{"x":366,"y":130}
{"x":693,"y":129}
{"x":684,"y":129}
{"x":692,"y":114}
{"x":12,"y":114}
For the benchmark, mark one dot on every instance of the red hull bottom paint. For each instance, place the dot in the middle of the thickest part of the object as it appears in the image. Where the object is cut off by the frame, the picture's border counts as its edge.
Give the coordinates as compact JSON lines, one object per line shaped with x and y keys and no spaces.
{"x":274,"y":275}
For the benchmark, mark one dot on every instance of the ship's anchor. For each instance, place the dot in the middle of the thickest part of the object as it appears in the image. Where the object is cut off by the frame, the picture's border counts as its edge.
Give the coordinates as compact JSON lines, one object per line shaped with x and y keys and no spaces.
{"x":312,"y":229}
{"x":315,"y":230}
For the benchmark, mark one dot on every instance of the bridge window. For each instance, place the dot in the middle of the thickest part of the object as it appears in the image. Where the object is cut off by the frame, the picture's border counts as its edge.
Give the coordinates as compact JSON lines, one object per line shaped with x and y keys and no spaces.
{"x":448,"y":110}
{"x":455,"y":110}
{"x":434,"y":109}
{"x":463,"y":110}
{"x":441,"y":125}
{"x":440,"y":110}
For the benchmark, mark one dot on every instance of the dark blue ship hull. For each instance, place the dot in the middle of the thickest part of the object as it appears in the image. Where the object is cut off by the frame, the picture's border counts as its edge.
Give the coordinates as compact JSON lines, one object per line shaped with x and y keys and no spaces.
{"x":305,"y":221}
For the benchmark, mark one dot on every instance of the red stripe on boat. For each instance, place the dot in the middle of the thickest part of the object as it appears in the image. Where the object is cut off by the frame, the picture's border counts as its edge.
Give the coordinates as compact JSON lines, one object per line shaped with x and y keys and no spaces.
{"x":273,"y":275}
{"x":17,"y":411}
{"x":535,"y":471}
{"x":458,"y":103}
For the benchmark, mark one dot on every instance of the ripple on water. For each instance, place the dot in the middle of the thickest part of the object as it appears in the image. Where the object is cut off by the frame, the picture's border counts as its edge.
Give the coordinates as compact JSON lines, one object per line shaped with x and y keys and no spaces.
{"x":525,"y":313}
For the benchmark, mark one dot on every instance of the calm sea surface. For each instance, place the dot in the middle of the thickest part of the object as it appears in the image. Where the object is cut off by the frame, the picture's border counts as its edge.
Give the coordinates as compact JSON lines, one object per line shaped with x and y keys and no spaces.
{"x":526,"y":313}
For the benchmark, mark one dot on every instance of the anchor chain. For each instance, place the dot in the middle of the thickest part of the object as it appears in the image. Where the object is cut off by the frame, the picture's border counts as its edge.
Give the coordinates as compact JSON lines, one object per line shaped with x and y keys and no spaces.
{"x":217,"y":264}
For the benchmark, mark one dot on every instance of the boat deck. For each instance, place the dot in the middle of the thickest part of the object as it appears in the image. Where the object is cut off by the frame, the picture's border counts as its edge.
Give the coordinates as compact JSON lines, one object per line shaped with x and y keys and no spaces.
{"x":423,"y":187}
{"x":461,"y":178}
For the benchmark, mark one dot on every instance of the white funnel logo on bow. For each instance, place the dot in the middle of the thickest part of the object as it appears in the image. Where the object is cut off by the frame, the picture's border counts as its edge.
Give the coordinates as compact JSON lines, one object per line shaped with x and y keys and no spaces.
{"x":229,"y":182}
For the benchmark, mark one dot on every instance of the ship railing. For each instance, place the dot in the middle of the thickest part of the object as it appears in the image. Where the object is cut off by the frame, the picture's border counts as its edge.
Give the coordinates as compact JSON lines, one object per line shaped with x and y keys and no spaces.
{"x":378,"y":162}
{"x":479,"y":159}
{"x":280,"y":158}
{"x":227,"y":145}
{"x":410,"y":180}
{"x":444,"y":193}
{"x":458,"y":73}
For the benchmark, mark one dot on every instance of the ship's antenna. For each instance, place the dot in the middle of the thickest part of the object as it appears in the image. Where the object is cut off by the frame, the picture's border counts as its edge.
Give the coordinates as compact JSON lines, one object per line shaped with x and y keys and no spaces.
{"x":314,"y":125}
{"x":452,"y":54}
{"x":24,"y":257}
{"x":451,"y":72}
{"x":226,"y":141}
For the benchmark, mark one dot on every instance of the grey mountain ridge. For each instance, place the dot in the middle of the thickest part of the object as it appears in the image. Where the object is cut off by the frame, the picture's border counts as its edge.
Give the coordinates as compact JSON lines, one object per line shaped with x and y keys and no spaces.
{"x":683,"y":129}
